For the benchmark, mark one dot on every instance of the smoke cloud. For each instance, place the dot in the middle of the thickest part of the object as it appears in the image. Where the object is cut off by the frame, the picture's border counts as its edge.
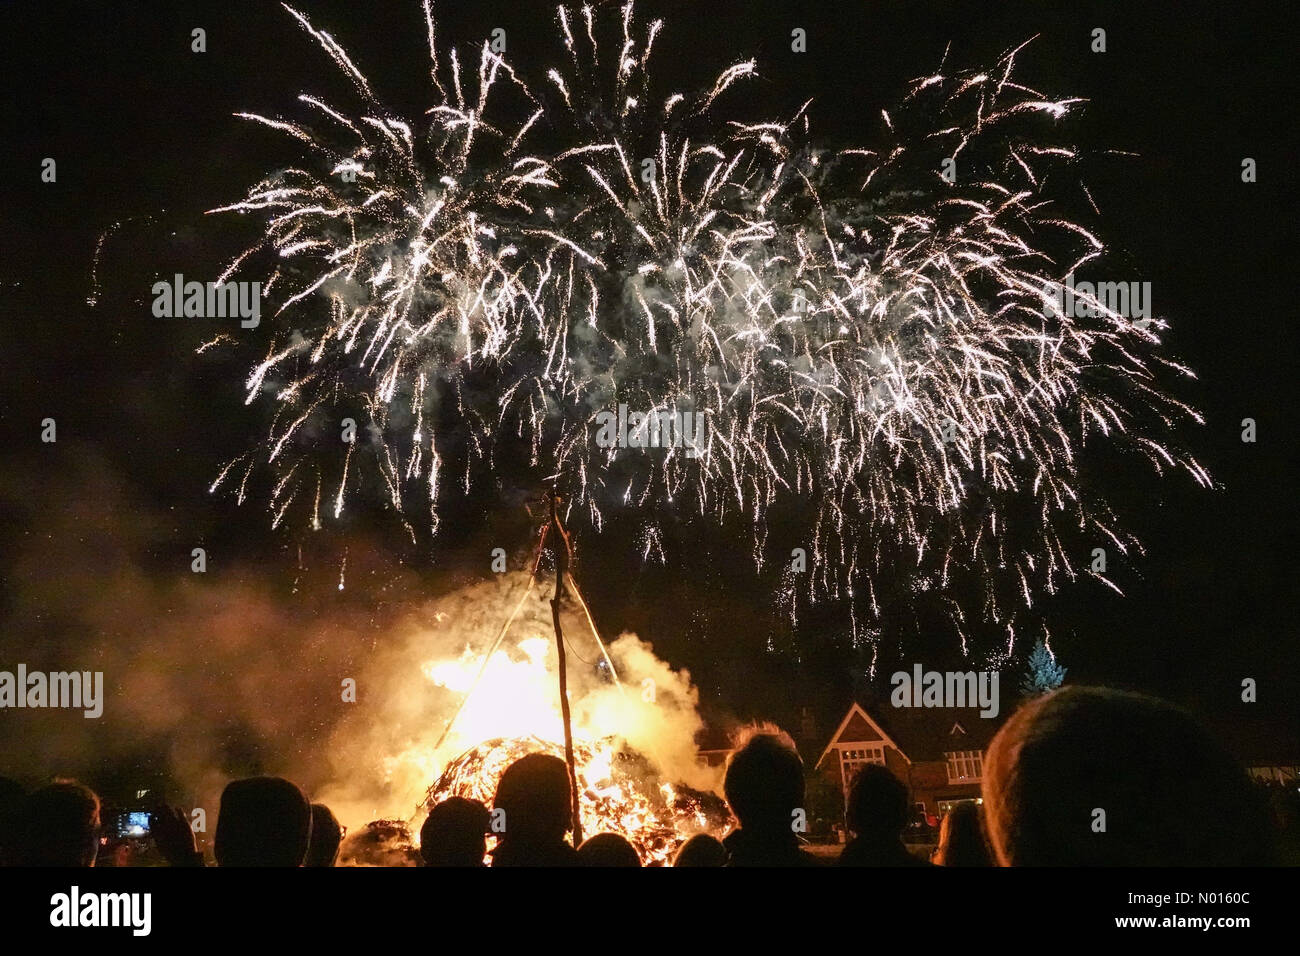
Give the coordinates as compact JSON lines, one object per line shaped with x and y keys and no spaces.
{"x":241,"y":669}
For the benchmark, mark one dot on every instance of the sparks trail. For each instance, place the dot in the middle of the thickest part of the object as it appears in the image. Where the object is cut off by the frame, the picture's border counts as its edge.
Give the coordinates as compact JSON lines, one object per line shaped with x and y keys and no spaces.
{"x":870,"y":345}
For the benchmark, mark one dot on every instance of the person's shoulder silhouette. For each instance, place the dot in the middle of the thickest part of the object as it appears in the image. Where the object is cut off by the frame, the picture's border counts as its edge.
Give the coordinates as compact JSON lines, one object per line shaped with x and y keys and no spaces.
{"x":877,"y":816}
{"x":455,"y":833}
{"x":58,"y":825}
{"x":701,"y":850}
{"x":262,"y":821}
{"x":326,"y":835}
{"x":1065,"y":759}
{"x":608,"y":849}
{"x":535,"y":801}
{"x":764,"y":786}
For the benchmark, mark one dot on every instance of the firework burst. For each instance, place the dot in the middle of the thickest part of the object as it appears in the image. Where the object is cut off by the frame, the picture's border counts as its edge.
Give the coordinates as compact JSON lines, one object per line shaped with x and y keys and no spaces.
{"x":872,"y":344}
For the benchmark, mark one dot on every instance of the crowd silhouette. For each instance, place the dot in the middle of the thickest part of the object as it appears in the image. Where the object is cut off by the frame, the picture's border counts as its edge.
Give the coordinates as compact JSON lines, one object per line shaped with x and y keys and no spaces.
{"x":1080,"y":777}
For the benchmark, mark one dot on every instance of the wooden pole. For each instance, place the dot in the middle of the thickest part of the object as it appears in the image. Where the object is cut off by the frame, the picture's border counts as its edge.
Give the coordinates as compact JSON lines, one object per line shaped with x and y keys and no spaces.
{"x":560,"y":545}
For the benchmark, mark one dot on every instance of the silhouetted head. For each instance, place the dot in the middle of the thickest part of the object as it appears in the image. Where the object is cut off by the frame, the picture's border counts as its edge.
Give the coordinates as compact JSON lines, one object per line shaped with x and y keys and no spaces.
{"x":608,"y":849}
{"x":455,"y":833}
{"x":701,"y":850}
{"x":263,"y":821}
{"x":58,"y":825}
{"x":961,"y":838}
{"x":1087,"y":776}
{"x":764,"y":783}
{"x":535,"y":795}
{"x":326,"y":834}
{"x":877,"y":808}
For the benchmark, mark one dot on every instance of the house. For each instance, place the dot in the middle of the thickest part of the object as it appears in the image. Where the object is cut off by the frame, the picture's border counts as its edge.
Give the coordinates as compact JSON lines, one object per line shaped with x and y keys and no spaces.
{"x":712,"y":746}
{"x":937,"y":752}
{"x":715,"y":742}
{"x":1274,"y":775}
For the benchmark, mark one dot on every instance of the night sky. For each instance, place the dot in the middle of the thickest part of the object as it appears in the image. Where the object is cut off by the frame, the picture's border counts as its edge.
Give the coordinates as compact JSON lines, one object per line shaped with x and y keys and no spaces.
{"x":142,"y":132}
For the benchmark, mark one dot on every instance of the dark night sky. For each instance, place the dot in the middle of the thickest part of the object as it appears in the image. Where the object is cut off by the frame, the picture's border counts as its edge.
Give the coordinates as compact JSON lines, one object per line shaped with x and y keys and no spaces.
{"x":142,"y":130}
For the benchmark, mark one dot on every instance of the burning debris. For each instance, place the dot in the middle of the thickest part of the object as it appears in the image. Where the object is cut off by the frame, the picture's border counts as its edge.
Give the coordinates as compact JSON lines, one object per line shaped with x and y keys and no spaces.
{"x":619,"y":792}
{"x":379,"y":843}
{"x":455,"y":698}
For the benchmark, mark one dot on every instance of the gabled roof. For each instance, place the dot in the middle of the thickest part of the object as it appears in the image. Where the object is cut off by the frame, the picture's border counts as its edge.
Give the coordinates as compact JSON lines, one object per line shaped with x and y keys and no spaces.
{"x":858,"y":727}
{"x":927,"y":733}
{"x":918,"y":733}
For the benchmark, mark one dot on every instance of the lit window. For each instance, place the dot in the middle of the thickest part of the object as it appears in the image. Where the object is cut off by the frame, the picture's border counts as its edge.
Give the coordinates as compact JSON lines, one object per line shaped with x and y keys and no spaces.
{"x":965,"y":765}
{"x":854,"y":759}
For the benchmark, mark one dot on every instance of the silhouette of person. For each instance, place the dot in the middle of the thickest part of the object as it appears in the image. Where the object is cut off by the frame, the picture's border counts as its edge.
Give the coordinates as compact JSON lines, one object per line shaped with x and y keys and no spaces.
{"x":263,"y":821}
{"x":173,"y":837}
{"x":701,"y":850}
{"x":961,"y":838}
{"x":608,"y":849}
{"x":1088,"y":776}
{"x":877,"y":815}
{"x":764,"y":787}
{"x":535,"y":796}
{"x":326,"y":835}
{"x":58,"y":825}
{"x":455,"y":833}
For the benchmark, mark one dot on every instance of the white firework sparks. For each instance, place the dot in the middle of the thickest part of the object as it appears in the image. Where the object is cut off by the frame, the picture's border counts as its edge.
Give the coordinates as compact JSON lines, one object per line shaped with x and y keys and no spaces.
{"x":868,"y":342}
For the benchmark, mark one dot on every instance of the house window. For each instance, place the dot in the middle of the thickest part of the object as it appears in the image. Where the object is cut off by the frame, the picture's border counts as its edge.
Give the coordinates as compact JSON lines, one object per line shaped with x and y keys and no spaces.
{"x":1279,"y":775}
{"x":852,"y":760}
{"x":965,"y":766}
